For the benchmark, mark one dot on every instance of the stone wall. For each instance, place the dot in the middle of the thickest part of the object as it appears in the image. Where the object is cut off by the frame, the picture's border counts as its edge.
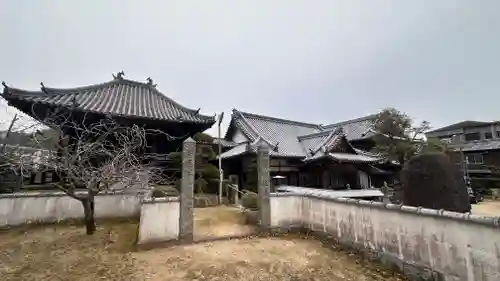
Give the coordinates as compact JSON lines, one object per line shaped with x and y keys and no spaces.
{"x":159,"y":220}
{"x":424,"y":243}
{"x":45,"y":207}
{"x":171,"y":218}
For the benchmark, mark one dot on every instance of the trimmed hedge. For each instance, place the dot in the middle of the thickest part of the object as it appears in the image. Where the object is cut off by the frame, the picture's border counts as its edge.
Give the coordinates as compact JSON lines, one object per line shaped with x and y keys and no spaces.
{"x":431,"y":180}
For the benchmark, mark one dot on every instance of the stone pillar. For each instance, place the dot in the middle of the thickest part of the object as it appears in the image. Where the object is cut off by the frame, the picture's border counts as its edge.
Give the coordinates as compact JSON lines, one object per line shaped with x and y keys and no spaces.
{"x":187,"y":190}
{"x":385,"y":190}
{"x":264,"y":186}
{"x":236,"y":191}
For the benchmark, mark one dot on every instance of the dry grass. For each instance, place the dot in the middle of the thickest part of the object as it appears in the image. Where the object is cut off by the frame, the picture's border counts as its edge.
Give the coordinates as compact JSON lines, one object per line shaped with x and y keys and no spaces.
{"x":220,"y":221}
{"x":258,"y":259}
{"x":65,"y":253}
{"x":487,"y":208}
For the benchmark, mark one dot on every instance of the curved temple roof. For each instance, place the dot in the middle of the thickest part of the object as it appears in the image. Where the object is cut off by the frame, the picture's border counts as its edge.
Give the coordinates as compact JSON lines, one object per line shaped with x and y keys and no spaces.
{"x":118,"y":97}
{"x":308,"y":141}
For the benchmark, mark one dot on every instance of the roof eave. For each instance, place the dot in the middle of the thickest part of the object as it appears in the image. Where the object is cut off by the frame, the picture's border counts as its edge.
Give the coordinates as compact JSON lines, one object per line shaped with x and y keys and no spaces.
{"x":208,"y":121}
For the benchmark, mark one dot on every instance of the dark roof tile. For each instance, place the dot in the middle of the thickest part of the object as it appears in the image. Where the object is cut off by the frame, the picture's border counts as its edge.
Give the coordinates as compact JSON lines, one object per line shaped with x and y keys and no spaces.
{"x":463,"y":124}
{"x":296,"y":139}
{"x":477,"y":146}
{"x":118,"y":97}
{"x":355,"y":129}
{"x":275,"y":131}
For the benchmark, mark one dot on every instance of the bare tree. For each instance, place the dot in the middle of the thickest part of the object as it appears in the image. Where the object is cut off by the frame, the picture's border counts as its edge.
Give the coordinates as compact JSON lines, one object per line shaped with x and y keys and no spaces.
{"x":91,"y":157}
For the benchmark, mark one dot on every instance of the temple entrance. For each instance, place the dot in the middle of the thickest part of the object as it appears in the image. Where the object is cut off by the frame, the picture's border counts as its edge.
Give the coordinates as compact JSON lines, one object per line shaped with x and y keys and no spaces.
{"x":224,"y":220}
{"x":219,"y":222}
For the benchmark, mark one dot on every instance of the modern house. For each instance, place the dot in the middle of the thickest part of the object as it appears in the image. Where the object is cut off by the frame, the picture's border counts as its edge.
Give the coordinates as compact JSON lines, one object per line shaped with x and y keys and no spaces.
{"x":334,"y":156}
{"x":478,"y":144}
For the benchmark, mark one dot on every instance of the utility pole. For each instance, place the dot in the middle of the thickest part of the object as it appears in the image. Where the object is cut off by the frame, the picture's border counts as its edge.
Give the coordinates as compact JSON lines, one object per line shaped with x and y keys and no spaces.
{"x":221,"y":173}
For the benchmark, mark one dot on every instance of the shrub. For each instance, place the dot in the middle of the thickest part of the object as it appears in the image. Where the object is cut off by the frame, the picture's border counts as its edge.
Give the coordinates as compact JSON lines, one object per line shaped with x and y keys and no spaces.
{"x":164,"y":191}
{"x":200,"y":185}
{"x":431,"y":180}
{"x":250,"y":200}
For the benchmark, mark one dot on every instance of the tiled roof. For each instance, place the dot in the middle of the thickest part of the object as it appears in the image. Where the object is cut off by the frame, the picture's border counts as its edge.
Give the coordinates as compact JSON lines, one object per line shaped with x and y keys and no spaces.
{"x":359,"y":128}
{"x":336,"y":146}
{"x":348,"y":157}
{"x":238,"y":150}
{"x":224,"y":143}
{"x":244,"y":148}
{"x":295,"y":139}
{"x":477,"y":146}
{"x":118,"y":97}
{"x":463,"y":124}
{"x":275,"y":131}
{"x":331,"y":193}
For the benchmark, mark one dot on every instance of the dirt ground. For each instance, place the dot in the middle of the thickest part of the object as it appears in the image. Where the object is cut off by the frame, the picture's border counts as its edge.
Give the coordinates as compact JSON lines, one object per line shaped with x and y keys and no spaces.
{"x":64,"y":252}
{"x":487,"y":208}
{"x":220,"y":221}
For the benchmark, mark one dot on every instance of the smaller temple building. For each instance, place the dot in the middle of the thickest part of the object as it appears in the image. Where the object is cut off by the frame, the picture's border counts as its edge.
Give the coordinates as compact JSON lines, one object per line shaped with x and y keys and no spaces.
{"x":126,"y":102}
{"x":334,"y":156}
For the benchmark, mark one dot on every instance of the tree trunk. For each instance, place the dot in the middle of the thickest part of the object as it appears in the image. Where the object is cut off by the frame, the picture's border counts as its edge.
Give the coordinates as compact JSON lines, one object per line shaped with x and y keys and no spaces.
{"x":88,"y":209}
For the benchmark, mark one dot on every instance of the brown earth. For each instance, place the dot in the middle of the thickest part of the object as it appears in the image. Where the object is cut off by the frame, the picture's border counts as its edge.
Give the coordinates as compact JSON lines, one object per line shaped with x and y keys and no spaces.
{"x":64,"y":252}
{"x":487,"y":208}
{"x":220,"y":221}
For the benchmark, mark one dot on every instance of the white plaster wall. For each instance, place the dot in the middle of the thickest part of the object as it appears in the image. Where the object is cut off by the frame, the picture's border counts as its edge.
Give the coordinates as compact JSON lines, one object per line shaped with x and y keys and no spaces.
{"x":461,"y":249}
{"x":286,"y":211}
{"x":239,"y":137}
{"x":52,"y":207}
{"x":159,"y":221}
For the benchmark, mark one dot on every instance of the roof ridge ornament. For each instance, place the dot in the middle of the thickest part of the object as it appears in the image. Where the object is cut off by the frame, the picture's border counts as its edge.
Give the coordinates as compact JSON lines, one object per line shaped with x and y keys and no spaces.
{"x":150,"y":82}
{"x":276,"y":147}
{"x":5,"y":88}
{"x":44,"y":89}
{"x":119,"y":75}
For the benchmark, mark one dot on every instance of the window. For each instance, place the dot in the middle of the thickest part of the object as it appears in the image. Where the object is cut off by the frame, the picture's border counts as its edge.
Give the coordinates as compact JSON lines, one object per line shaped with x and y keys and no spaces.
{"x":472,"y":136}
{"x":488,"y":136}
{"x":445,"y":139}
{"x":498,"y":134}
{"x":475,"y":158}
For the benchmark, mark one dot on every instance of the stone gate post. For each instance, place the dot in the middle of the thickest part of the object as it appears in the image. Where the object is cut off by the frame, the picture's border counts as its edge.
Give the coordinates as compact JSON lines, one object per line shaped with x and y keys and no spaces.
{"x":264,"y":186}
{"x":187,"y":190}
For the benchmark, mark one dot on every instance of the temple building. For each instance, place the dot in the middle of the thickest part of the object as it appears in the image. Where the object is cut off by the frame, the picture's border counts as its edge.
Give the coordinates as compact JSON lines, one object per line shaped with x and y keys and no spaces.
{"x":127,"y":102}
{"x":334,"y":156}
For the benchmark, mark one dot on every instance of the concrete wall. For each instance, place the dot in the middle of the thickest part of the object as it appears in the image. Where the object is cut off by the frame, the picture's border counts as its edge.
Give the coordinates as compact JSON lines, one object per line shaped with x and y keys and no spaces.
{"x":426,"y":243}
{"x":30,"y":207}
{"x":159,"y":220}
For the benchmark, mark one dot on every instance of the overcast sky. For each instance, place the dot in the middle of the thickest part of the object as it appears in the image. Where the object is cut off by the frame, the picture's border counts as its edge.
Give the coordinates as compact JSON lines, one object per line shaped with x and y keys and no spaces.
{"x":318,"y":61}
